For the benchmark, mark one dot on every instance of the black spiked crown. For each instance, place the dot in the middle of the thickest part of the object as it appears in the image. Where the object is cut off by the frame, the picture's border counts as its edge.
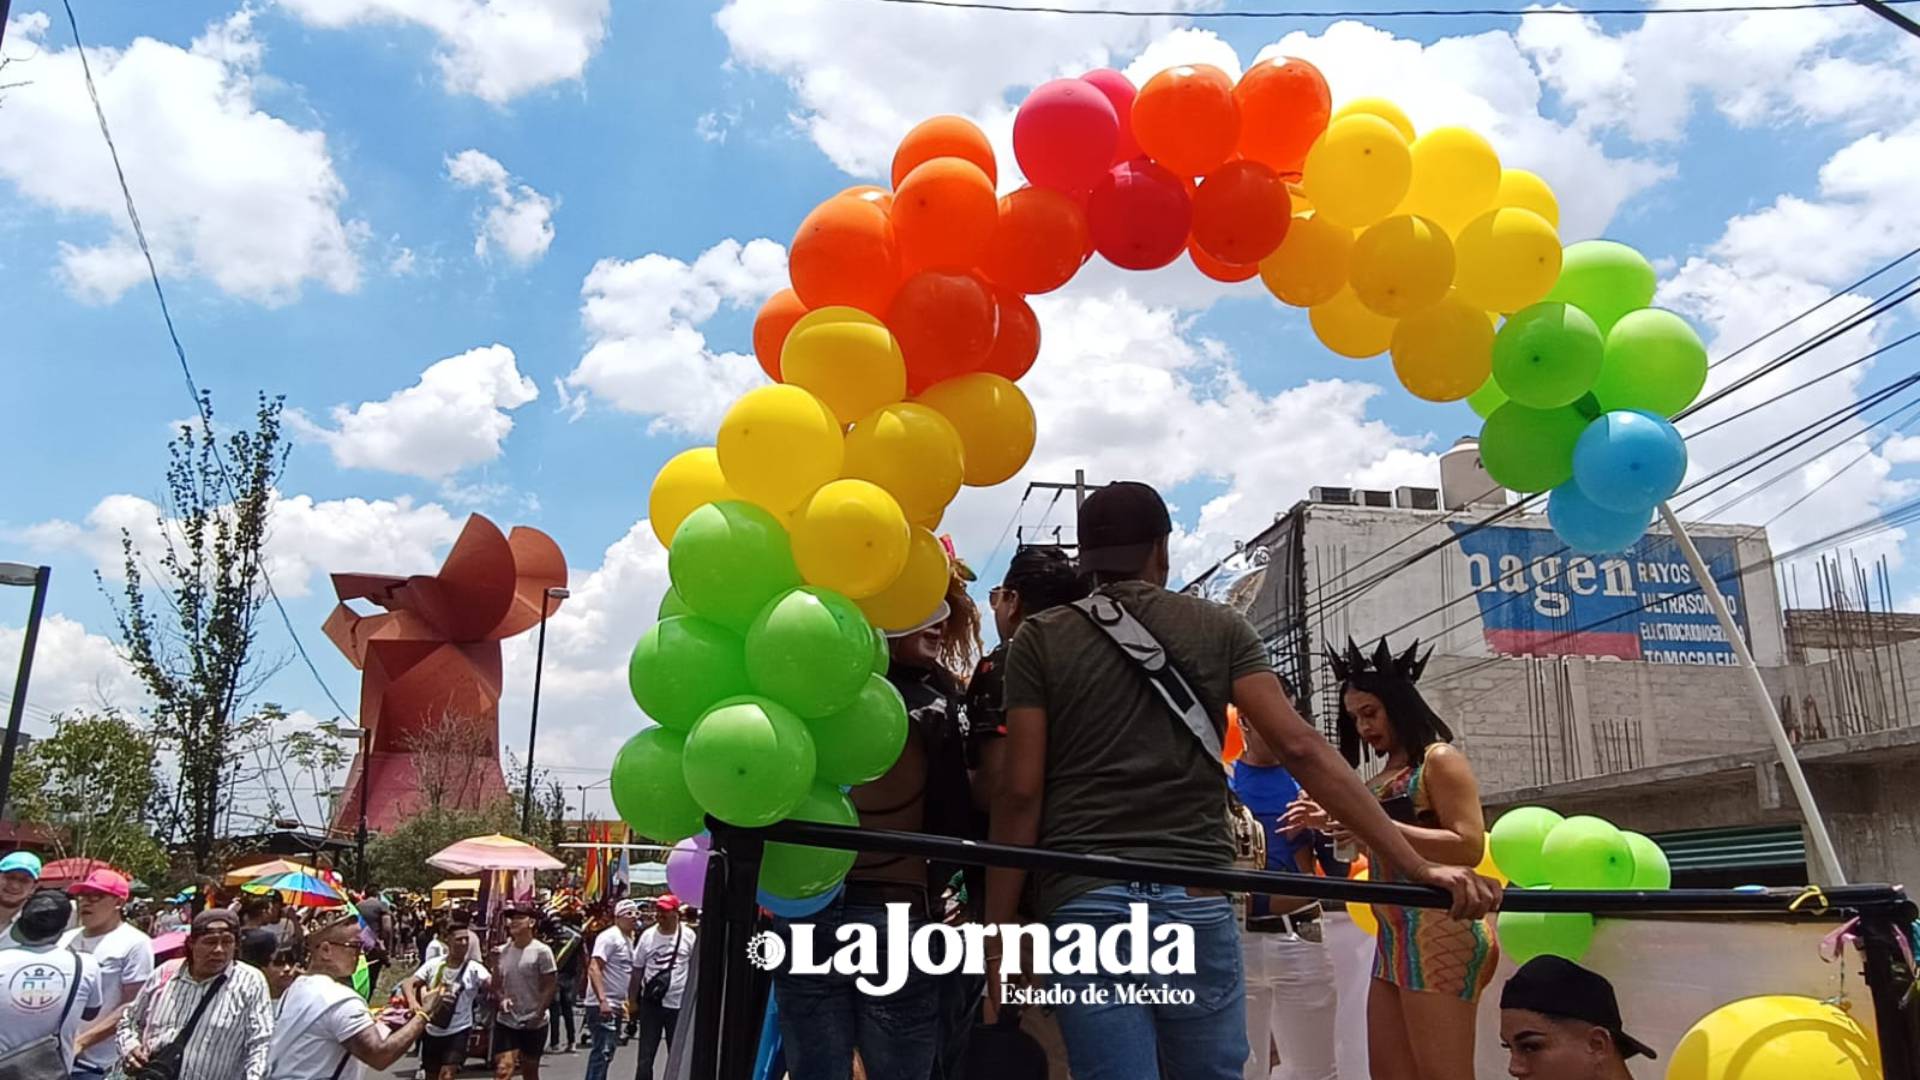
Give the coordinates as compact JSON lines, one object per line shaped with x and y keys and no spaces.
{"x":1408,"y":665}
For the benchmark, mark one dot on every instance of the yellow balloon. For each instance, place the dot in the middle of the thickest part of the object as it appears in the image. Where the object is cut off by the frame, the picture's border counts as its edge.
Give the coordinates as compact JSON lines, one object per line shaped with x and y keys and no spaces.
{"x":917,"y":592}
{"x":1445,"y":352}
{"x":1362,"y":914}
{"x":1310,"y":265}
{"x":1775,"y":1038}
{"x":1344,"y":325}
{"x":1487,"y":869}
{"x":995,"y":422}
{"x":1401,"y":265}
{"x":778,"y":444}
{"x":912,"y":451}
{"x":1456,"y":175}
{"x":846,"y":358}
{"x":852,"y":538}
{"x":1358,"y":171}
{"x":1523,"y":189}
{"x":688,"y":481}
{"x":1380,"y":107}
{"x":1506,"y":259}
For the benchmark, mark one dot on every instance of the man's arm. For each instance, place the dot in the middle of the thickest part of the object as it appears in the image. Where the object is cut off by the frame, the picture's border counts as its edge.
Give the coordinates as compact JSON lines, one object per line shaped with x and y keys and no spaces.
{"x":108,"y":1026}
{"x":373,"y":1046}
{"x":131,"y":1021}
{"x":597,"y":981}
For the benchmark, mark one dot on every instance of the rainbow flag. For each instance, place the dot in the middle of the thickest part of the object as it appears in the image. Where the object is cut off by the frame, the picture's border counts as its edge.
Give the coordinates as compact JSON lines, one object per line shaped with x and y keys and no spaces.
{"x":592,"y":884}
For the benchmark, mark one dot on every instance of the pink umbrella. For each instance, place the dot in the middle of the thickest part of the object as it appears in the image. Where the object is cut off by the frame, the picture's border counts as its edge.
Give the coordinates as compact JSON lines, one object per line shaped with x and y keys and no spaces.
{"x":496,"y":852}
{"x":169,"y":945}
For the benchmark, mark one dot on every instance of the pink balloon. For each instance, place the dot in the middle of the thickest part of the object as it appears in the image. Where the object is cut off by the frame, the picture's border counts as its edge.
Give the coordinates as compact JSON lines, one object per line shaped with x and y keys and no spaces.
{"x":1139,"y":216}
{"x":687,"y":869}
{"x":1121,"y":92}
{"x":1064,"y":135}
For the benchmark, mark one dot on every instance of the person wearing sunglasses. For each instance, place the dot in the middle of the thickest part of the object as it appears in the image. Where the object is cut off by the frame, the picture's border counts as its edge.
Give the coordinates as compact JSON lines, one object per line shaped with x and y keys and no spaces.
{"x":325,"y":1030}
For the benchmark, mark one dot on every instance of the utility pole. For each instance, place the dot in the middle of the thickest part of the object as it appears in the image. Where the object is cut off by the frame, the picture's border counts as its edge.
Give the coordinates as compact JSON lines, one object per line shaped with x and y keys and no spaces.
{"x":1080,"y":488}
{"x":5,"y":6}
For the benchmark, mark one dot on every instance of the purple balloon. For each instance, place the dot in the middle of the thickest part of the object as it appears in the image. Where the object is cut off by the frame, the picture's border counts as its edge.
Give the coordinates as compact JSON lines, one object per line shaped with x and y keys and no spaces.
{"x":1065,"y":135}
{"x":687,"y":869}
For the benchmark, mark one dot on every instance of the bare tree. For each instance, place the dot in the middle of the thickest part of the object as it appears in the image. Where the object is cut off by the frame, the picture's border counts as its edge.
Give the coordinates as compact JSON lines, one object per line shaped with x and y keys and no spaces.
{"x":450,"y":758}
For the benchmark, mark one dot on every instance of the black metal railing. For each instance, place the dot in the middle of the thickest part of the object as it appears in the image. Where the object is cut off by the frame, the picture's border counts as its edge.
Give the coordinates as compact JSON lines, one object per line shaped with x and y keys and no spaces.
{"x":728,"y":995}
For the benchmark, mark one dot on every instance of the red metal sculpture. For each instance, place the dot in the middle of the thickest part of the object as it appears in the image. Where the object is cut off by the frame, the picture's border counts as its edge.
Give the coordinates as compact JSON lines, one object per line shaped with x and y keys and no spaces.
{"x":430,"y":683}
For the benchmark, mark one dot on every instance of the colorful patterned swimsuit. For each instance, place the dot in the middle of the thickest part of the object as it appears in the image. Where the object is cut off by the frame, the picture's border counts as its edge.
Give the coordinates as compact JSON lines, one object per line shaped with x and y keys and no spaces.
{"x":1422,"y":948}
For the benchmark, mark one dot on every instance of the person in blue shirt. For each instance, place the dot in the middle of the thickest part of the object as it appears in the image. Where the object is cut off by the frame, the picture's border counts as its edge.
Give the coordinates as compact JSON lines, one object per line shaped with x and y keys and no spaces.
{"x":1290,"y":980}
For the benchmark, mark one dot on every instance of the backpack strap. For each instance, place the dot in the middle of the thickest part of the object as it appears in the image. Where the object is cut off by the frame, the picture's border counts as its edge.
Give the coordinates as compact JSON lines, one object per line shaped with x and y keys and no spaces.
{"x":73,"y":988}
{"x":1145,"y":653}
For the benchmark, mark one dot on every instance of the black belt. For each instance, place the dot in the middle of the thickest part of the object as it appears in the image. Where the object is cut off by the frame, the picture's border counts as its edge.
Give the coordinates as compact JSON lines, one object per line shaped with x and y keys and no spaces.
{"x":1284,"y":924}
{"x":887,"y":892}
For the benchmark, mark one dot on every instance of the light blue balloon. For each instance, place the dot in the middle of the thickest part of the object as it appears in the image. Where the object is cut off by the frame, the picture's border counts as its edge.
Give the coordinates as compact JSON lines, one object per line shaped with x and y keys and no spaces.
{"x":1629,"y":460}
{"x":788,"y":908}
{"x":1590,"y":529}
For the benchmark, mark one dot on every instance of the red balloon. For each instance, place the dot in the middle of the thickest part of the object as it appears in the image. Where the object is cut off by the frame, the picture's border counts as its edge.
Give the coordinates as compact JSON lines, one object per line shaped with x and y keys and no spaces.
{"x":1064,"y":135}
{"x":1283,"y":108}
{"x":770,"y":329}
{"x":1039,"y":241}
{"x":1140,"y":216}
{"x":1016,"y":338}
{"x":1241,"y":212}
{"x":1121,"y":91}
{"x":944,"y":323}
{"x":1218,"y":270}
{"x":845,"y":253}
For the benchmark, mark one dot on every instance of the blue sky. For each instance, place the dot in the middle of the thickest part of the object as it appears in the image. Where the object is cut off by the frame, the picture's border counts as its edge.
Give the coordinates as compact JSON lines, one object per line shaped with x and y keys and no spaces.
{"x":324,"y":234}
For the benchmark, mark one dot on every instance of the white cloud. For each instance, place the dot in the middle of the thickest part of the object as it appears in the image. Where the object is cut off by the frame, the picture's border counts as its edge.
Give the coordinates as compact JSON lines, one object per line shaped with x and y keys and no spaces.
{"x":520,"y":220}
{"x":73,"y":669}
{"x":228,"y":191}
{"x":454,"y":418}
{"x":647,"y":352}
{"x":495,"y":50}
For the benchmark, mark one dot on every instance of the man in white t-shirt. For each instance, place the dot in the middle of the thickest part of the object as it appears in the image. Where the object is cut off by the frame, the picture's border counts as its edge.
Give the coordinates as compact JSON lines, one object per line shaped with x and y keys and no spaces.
{"x":444,"y":1049}
{"x":609,"y":982}
{"x":665,"y":949}
{"x":324,"y":1030}
{"x":45,"y":989}
{"x":125,"y":956}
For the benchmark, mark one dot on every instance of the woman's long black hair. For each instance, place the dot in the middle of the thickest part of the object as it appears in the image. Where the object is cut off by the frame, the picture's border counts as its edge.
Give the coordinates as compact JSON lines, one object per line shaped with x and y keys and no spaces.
{"x":1391,"y":679}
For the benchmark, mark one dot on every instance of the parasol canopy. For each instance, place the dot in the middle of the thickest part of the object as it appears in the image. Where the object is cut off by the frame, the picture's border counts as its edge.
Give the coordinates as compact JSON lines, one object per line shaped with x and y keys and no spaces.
{"x":482,"y":853}
{"x":304,"y":890}
{"x":67,"y":871}
{"x":274,"y":868}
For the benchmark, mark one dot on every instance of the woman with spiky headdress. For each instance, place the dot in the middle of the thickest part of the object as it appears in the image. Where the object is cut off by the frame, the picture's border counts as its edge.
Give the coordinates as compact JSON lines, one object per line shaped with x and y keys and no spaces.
{"x":1428,"y":969}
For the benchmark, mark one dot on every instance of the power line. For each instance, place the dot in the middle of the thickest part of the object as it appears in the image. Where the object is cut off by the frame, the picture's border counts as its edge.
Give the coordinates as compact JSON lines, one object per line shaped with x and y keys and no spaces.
{"x":179,"y":351}
{"x":1389,"y":13}
{"x":1831,"y":297}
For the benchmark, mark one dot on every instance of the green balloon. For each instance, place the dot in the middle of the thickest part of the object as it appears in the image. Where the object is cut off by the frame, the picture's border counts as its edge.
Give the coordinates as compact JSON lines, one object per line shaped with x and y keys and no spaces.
{"x":671,"y":605}
{"x":1605,"y":279}
{"x":811,"y":650}
{"x":1516,"y":840}
{"x":1586,"y":852}
{"x":1547,"y":355}
{"x":1650,"y":869}
{"x":861,"y":742}
{"x":1654,"y":361}
{"x":649,"y":790}
{"x":728,"y":560}
{"x":1527,"y":934}
{"x":682,"y":665}
{"x":749,"y":761}
{"x":1531,"y":449}
{"x":882,"y":652}
{"x":1487,"y":399}
{"x":796,"y":871}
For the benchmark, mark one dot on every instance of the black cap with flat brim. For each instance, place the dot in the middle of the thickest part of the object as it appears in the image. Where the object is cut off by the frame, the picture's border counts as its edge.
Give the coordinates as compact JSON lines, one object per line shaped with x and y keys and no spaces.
{"x":1558,"y":987}
{"x":1120,"y":525}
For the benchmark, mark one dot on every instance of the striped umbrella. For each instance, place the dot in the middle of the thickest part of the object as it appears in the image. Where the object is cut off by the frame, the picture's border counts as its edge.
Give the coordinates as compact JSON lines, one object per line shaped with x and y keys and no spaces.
{"x":304,"y":890}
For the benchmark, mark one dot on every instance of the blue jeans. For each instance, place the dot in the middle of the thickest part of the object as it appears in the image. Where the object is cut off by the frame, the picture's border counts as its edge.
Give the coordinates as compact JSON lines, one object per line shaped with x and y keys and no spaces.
{"x":824,"y":1018}
{"x":606,"y":1038}
{"x":1115,"y":1040}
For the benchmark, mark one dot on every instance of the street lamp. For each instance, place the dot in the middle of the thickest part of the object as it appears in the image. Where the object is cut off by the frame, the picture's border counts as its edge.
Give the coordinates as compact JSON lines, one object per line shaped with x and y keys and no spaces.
{"x":555,"y":592}
{"x":365,"y":738}
{"x":36,"y":577}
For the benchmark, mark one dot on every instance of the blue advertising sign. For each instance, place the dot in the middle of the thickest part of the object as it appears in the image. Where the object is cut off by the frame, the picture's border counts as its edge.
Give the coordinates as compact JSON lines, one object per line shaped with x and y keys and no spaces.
{"x":1538,"y":600}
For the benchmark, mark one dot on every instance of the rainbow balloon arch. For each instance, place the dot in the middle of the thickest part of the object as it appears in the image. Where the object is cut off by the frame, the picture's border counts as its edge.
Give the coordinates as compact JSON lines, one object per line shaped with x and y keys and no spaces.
{"x":806,"y":532}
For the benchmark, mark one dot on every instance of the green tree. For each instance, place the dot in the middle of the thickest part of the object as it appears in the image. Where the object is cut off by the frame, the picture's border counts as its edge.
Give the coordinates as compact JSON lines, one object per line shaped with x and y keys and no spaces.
{"x":397,"y":857}
{"x":96,"y":782}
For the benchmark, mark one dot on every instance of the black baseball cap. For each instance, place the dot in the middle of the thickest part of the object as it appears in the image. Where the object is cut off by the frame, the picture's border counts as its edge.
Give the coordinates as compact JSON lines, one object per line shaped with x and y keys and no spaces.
{"x":1557,"y":987}
{"x":1119,"y":526}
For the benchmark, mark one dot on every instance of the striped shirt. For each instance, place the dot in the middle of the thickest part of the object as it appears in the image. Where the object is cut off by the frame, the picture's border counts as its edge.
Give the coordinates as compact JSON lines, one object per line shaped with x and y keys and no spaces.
{"x":231,"y":1041}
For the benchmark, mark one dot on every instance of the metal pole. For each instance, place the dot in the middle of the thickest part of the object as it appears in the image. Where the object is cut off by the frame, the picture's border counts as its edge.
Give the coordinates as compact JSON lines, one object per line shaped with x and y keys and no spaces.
{"x":18,"y":709}
{"x":1829,"y":861}
{"x":739,"y":1027}
{"x":360,"y":834}
{"x":714,"y":949}
{"x":5,"y":6}
{"x":1889,"y":981}
{"x":533,"y":723}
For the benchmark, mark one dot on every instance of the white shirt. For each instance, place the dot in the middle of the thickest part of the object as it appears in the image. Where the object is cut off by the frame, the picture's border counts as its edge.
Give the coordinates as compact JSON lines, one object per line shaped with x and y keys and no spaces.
{"x":436,"y":950}
{"x":125,"y":956}
{"x":614,"y":950}
{"x":657,"y":950}
{"x":34,"y":983}
{"x":467,"y":982}
{"x":318,"y":1018}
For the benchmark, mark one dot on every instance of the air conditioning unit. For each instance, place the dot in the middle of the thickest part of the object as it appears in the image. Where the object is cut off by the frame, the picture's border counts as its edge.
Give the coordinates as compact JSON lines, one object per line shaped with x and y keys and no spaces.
{"x":1333,"y":496}
{"x":1368,"y":497}
{"x":1416,"y":498}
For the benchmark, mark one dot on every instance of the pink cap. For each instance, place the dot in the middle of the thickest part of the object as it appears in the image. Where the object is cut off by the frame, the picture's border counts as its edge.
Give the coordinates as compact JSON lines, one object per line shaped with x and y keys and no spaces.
{"x":102,"y":882}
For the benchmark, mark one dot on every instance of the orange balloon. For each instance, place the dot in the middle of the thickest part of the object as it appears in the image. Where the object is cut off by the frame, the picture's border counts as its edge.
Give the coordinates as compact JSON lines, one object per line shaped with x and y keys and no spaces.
{"x":944,"y":136}
{"x":1283,"y":107}
{"x":1016,"y":336}
{"x":878,"y":196}
{"x":845,"y":254}
{"x":1217,"y":270}
{"x":770,"y":328}
{"x":1241,"y":213}
{"x":944,"y":215}
{"x":944,"y":323}
{"x":1235,"y":743}
{"x":1186,"y":120}
{"x":1039,"y":241}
